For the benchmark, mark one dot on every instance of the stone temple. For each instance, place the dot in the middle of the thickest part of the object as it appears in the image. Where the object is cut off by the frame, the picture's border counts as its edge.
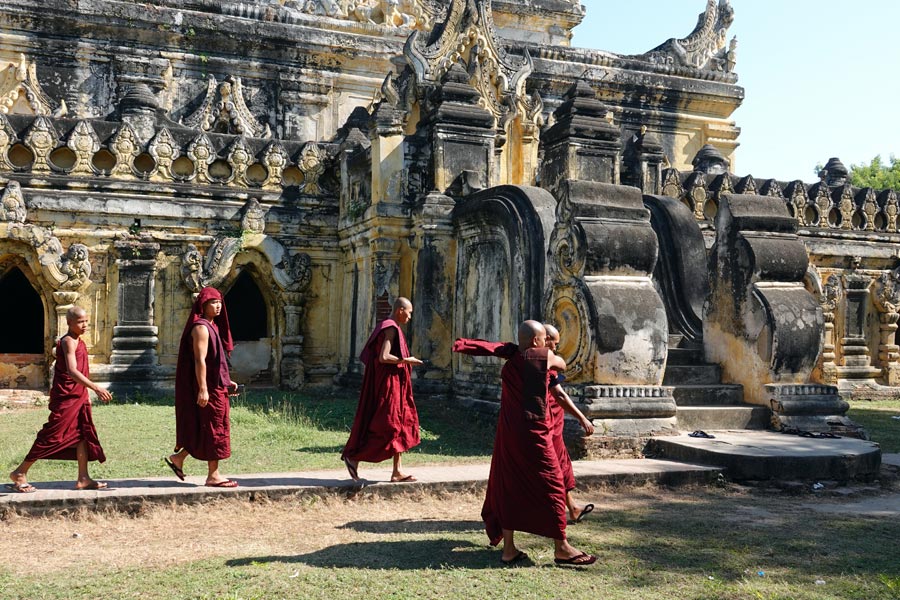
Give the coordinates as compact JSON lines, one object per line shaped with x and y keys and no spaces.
{"x":314,"y":159}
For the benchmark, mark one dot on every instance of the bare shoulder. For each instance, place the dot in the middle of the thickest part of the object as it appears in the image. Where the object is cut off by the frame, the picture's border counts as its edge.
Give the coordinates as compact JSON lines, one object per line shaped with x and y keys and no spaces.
{"x":68,"y":342}
{"x":200,"y":332}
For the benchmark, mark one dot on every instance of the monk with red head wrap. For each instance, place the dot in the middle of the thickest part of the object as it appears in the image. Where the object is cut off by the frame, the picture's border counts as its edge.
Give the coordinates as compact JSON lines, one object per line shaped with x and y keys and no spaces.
{"x":202,"y":385}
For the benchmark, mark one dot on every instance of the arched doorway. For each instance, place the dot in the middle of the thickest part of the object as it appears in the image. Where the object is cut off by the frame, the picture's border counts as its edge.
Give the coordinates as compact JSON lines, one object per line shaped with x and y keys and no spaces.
{"x":248,"y":315}
{"x":23,"y":341}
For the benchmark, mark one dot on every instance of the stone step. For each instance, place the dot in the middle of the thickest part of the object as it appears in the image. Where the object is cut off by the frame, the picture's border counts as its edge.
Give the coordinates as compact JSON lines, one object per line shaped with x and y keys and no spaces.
{"x":706,"y":418}
{"x":723,"y":394}
{"x":757,"y":455}
{"x":684,"y":356}
{"x":692,"y":374}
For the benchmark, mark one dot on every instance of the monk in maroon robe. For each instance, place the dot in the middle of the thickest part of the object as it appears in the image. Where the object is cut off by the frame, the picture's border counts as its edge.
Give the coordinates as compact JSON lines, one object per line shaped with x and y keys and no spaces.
{"x":202,"y":385}
{"x":525,"y":490}
{"x":560,"y":405}
{"x":69,"y":434}
{"x":386,"y":422}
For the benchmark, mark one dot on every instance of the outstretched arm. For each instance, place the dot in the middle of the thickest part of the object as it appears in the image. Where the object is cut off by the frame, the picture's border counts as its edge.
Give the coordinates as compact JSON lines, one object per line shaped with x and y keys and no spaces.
{"x":385,"y":357}
{"x":563,"y":399}
{"x":69,"y":346}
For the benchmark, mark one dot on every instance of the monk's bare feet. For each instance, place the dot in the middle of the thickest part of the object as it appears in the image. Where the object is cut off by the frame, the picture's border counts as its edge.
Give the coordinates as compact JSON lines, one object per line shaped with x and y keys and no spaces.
{"x":512,"y":556}
{"x":401,"y":478}
{"x":89,"y":484}
{"x":566,"y":554}
{"x":580,"y":513}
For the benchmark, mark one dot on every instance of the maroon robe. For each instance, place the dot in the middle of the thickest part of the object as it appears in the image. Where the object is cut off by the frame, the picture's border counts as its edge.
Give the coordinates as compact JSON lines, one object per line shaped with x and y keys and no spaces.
{"x":70,"y":413}
{"x":557,"y":422}
{"x":386,"y":421}
{"x":204,"y":432}
{"x":525,"y":490}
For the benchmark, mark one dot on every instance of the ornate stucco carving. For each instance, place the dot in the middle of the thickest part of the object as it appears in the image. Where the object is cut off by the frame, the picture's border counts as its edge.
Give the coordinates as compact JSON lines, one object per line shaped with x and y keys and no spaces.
{"x":74,"y":268}
{"x":704,"y":47}
{"x":254,"y":217}
{"x":240,"y":157}
{"x":418,"y":14}
{"x":275,"y":159}
{"x":83,"y":141}
{"x":870,"y":209}
{"x":12,"y":204}
{"x":126,"y":146}
{"x":7,"y":139}
{"x":202,"y":154}
{"x":20,"y":81}
{"x":164,"y":150}
{"x":192,"y":268}
{"x":224,"y":110}
{"x":299,"y":268}
{"x":886,"y":294}
{"x":311,"y":163}
{"x":41,"y":139}
{"x":67,"y":271}
{"x":468,"y":37}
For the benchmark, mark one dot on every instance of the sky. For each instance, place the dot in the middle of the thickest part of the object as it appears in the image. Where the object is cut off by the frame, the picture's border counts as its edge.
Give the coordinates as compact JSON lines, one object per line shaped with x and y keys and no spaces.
{"x":821,"y":78}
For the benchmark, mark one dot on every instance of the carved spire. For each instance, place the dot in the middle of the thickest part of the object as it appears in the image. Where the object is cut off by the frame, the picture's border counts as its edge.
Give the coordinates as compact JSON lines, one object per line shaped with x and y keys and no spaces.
{"x":467,"y":36}
{"x":224,"y":109}
{"x":704,"y":47}
{"x":19,"y":81}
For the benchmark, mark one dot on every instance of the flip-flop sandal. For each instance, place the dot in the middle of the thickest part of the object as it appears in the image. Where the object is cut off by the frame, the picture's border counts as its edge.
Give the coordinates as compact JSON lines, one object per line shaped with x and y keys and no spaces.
{"x":96,"y":485}
{"x":223,"y":484}
{"x":588,"y":509}
{"x":352,"y":469}
{"x":407,"y":479}
{"x":582,"y":560}
{"x":178,"y":472}
{"x":701,"y":434}
{"x":21,"y":488}
{"x":515,"y":559}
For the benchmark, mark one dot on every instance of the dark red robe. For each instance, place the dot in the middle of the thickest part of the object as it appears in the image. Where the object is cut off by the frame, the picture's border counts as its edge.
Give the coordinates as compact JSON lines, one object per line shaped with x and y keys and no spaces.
{"x":386,"y":421}
{"x":557,"y":422}
{"x":70,"y":414}
{"x":525,"y":490}
{"x":204,"y":432}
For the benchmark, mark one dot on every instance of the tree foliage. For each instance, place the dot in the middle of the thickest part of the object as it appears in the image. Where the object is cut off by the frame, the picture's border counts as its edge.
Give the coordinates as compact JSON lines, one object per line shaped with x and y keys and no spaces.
{"x":877,"y":174}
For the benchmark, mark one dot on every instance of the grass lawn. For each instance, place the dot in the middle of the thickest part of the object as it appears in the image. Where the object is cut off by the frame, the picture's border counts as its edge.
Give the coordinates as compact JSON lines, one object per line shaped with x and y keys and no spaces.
{"x":653,"y":544}
{"x":270,"y":432}
{"x":876,"y":417}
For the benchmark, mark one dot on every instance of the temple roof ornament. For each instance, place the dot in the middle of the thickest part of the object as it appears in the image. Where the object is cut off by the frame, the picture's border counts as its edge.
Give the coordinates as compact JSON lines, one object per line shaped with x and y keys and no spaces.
{"x":223,"y":110}
{"x":468,"y":37}
{"x":20,"y":81}
{"x":704,"y":47}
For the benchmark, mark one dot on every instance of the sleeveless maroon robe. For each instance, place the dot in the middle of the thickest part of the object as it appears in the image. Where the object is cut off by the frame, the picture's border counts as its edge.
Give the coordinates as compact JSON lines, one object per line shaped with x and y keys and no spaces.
{"x":70,"y":414}
{"x":525,"y":490}
{"x":557,"y":422}
{"x":386,"y":421}
{"x":204,"y":432}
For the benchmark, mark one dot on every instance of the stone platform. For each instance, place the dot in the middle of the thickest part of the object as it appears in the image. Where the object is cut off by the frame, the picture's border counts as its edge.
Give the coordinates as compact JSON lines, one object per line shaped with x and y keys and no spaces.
{"x":760,"y":455}
{"x":134,"y":494}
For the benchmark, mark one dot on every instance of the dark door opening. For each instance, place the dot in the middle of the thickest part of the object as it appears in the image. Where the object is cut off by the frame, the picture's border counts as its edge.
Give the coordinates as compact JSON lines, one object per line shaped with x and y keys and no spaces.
{"x":24,"y":329}
{"x":247,"y":313}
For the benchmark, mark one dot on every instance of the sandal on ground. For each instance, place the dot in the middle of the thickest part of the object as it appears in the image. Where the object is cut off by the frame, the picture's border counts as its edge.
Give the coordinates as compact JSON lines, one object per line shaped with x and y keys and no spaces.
{"x":406,"y":479}
{"x":582,"y":560}
{"x":21,"y":488}
{"x":223,"y":484}
{"x":701,"y":434}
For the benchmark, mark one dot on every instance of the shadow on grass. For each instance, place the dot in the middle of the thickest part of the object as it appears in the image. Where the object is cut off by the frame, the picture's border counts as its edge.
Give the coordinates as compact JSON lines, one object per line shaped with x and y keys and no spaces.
{"x":411,"y":555}
{"x":729,"y":538}
{"x":413,"y":526}
{"x":879,"y":424}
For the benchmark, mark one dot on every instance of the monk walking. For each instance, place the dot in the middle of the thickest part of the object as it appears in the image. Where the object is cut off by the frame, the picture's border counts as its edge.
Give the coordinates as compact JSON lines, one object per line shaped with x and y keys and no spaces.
{"x":557,"y":409}
{"x":386,"y":423}
{"x":69,"y":433}
{"x":525,"y":489}
{"x":202,"y":385}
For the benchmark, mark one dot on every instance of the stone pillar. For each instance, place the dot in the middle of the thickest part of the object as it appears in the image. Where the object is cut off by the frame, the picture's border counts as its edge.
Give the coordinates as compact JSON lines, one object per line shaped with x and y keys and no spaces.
{"x":386,"y":135}
{"x":857,"y":368}
{"x":133,"y":359}
{"x":293,"y":372}
{"x":832,"y":292}
{"x":582,"y":144}
{"x":887,"y":300}
{"x":642,"y":163}
{"x":434,"y":287}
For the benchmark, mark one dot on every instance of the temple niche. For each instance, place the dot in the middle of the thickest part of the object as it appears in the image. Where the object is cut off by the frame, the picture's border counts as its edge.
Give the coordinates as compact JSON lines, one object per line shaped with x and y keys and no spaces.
{"x":463,"y":154}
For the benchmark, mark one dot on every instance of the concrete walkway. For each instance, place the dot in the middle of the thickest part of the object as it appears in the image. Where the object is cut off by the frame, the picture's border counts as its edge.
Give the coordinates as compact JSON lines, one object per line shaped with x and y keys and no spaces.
{"x":132,"y":494}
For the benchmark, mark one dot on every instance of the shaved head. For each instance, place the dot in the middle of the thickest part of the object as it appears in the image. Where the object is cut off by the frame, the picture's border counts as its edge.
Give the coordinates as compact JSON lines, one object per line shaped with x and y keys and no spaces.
{"x":401,"y":302}
{"x":531,"y":335}
{"x":74,"y":313}
{"x":552,"y":332}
